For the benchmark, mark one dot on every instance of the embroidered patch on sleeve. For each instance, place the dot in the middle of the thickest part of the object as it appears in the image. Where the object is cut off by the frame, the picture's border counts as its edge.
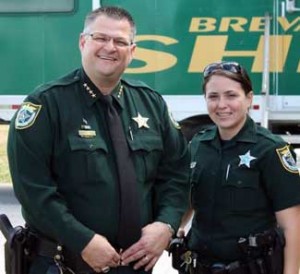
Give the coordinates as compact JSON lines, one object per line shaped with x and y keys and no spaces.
{"x":174,"y":122}
{"x":27,"y":115}
{"x":287,"y":160}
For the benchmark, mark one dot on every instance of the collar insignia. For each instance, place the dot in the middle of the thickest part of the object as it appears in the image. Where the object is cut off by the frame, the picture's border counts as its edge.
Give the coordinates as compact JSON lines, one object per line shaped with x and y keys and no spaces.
{"x":94,"y":95}
{"x":246,"y":159}
{"x":141,"y":121}
{"x":89,"y":90}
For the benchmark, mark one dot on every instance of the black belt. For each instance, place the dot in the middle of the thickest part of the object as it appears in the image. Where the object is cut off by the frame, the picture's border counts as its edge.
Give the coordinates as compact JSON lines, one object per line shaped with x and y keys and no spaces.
{"x":48,"y":248}
{"x":220,"y":268}
{"x":65,"y":258}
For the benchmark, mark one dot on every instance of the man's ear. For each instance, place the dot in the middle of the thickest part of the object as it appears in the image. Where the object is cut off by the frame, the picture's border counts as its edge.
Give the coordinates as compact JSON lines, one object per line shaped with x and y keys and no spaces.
{"x":81,"y":41}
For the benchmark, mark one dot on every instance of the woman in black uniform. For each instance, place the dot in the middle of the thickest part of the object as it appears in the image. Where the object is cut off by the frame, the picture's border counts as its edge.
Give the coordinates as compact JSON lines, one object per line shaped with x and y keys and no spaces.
{"x":244,"y":186}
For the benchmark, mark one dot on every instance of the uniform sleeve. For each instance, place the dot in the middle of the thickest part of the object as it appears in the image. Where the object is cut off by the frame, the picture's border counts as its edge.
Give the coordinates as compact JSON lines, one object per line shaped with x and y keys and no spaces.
{"x":31,"y":141}
{"x":281,"y":177}
{"x":172,"y":183}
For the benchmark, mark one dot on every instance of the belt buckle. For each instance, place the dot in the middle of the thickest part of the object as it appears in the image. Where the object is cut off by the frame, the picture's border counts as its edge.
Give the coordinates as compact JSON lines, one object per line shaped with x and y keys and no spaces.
{"x":218,"y":268}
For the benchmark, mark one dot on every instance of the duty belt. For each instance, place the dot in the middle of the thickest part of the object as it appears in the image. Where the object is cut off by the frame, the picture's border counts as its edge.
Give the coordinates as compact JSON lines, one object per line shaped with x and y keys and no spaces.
{"x":191,"y":264}
{"x":65,"y":259}
{"x":260,"y":253}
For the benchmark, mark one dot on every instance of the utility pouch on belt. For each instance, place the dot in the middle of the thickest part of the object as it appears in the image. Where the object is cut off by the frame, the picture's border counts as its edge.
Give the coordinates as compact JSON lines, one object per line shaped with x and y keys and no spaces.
{"x":17,"y":247}
{"x":264,"y":252}
{"x":275,"y":256}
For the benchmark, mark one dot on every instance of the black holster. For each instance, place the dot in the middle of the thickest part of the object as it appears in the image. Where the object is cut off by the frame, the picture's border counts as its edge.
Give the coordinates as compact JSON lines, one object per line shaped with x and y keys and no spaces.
{"x":264,"y":252}
{"x":17,"y":248}
{"x":177,"y":248}
{"x":275,"y":256}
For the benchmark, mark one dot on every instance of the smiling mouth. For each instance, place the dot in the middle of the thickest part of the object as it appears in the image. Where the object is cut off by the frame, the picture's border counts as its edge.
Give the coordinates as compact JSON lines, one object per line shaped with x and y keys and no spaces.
{"x":224,"y":115}
{"x":107,"y":58}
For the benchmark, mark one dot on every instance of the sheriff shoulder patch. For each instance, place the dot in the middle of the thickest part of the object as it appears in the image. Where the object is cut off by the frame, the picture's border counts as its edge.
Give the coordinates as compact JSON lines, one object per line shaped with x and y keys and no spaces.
{"x":174,"y":122}
{"x":287,"y":159}
{"x":26,"y":115}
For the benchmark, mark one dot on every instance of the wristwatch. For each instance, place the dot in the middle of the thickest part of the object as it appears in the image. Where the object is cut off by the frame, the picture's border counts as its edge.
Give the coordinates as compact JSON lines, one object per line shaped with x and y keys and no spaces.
{"x":171,"y":229}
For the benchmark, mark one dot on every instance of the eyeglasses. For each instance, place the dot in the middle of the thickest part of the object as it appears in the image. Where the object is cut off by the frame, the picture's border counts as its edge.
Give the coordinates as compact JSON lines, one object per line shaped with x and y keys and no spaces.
{"x":104,"y":39}
{"x":227,"y":66}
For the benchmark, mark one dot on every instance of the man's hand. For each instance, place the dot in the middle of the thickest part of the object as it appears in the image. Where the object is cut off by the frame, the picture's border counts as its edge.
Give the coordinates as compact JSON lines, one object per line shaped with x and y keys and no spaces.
{"x":145,"y":253}
{"x":99,"y":254}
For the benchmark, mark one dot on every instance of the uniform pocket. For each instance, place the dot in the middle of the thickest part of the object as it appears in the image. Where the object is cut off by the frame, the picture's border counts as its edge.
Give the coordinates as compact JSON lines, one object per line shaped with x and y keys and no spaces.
{"x":88,"y":158}
{"x":147,"y":150}
{"x":243,"y":189}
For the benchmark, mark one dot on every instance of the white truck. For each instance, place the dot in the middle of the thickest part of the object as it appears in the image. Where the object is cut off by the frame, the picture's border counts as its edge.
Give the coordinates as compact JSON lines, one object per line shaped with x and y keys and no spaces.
{"x":176,"y":40}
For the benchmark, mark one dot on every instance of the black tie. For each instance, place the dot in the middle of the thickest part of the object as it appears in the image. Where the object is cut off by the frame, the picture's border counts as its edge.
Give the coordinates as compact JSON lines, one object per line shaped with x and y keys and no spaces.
{"x":130,"y":219}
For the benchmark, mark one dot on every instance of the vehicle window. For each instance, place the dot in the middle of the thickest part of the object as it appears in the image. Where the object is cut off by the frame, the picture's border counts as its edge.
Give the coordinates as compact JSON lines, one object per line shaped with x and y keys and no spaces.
{"x":12,"y":6}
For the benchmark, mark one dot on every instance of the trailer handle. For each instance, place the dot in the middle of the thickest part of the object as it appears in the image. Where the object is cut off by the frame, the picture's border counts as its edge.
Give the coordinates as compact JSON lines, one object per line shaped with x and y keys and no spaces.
{"x":265,"y":89}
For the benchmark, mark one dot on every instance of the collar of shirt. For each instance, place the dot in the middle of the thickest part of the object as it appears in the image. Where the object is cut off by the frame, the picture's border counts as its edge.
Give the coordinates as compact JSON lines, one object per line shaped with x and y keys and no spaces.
{"x":93,"y":94}
{"x":247,"y":133}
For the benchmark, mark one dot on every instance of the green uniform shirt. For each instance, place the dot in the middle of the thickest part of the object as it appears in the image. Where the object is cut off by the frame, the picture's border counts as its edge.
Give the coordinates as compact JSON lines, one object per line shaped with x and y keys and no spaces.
{"x":63,"y":168}
{"x":237,"y":186}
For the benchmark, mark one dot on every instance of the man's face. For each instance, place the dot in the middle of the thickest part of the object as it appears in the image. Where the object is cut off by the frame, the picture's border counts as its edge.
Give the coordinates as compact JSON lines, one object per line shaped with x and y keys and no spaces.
{"x":107,"y":48}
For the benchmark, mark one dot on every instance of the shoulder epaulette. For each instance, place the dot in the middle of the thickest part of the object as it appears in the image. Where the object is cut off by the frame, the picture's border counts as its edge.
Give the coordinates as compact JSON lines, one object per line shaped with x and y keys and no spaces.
{"x":63,"y":81}
{"x":136,"y":83}
{"x":269,"y":135}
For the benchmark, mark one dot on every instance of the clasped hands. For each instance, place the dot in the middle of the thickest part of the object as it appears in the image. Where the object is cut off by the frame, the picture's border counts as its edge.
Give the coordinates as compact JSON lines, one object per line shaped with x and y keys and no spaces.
{"x":144,"y":253}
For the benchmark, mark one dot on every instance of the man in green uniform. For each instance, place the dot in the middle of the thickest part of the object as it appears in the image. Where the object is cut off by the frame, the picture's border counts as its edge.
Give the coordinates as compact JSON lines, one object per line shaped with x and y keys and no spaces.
{"x":63,"y":160}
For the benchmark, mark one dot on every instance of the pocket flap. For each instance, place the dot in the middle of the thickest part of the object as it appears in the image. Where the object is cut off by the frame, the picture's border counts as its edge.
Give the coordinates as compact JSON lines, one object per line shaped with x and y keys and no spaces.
{"x":89,"y":144}
{"x":146,"y":142}
{"x":243,"y":178}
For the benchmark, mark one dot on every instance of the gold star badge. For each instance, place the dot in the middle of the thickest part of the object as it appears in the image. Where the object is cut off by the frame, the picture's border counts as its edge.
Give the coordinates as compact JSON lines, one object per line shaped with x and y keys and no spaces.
{"x":141,"y":121}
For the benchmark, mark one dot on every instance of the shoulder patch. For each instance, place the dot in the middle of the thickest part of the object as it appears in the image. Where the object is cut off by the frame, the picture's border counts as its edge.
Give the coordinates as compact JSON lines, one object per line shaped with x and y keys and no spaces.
{"x":287,"y":160}
{"x":174,"y":122}
{"x":27,"y":114}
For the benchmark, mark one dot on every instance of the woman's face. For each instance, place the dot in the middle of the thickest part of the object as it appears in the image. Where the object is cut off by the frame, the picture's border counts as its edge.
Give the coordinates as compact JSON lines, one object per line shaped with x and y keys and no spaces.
{"x":227,"y":105}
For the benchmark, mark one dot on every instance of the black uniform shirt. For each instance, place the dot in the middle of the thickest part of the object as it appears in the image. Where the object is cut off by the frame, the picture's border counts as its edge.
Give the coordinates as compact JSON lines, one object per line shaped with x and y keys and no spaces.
{"x":237,"y":186}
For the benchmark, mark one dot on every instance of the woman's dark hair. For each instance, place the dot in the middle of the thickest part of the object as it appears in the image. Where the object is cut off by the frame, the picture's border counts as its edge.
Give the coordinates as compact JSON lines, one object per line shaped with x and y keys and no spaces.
{"x":231,"y":70}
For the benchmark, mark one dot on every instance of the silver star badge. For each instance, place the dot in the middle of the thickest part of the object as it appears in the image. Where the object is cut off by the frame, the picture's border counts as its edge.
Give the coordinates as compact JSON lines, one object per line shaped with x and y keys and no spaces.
{"x":141,"y":121}
{"x":246,"y":159}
